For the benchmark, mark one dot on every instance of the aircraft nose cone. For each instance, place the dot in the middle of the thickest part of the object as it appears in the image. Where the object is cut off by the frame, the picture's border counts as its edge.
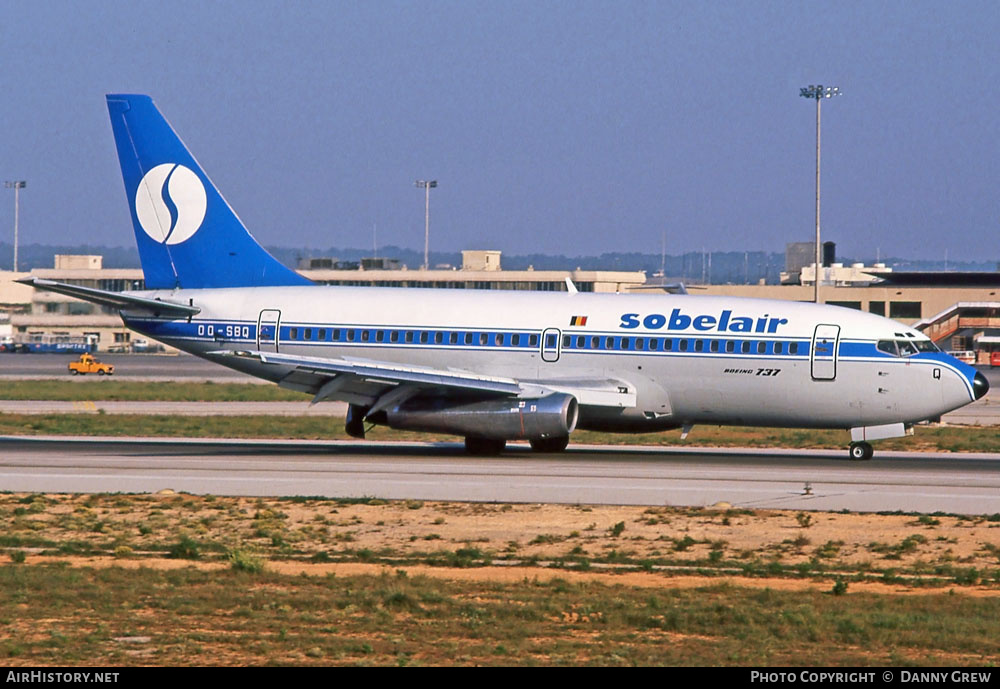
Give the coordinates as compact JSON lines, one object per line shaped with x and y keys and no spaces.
{"x":980,"y":386}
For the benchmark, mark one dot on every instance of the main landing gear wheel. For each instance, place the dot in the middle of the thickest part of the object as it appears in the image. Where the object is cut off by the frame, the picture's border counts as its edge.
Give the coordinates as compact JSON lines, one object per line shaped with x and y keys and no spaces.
{"x":484,"y":446}
{"x":861,"y":451}
{"x":550,"y":444}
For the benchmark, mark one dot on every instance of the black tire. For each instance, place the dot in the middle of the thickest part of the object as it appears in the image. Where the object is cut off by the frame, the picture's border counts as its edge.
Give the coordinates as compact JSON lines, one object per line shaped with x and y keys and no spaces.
{"x":74,"y":372}
{"x":484,"y":446}
{"x":100,"y":371}
{"x":557,"y":444}
{"x":861,"y":452}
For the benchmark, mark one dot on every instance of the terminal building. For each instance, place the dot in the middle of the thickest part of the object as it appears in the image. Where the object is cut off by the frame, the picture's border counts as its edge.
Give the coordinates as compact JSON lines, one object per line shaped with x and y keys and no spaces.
{"x":959,"y":311}
{"x":27,"y":313}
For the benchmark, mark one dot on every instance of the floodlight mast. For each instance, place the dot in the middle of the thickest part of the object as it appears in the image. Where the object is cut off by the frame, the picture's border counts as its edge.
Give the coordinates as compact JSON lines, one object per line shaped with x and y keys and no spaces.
{"x":427,"y":186}
{"x":17,"y":186}
{"x":818,"y":93}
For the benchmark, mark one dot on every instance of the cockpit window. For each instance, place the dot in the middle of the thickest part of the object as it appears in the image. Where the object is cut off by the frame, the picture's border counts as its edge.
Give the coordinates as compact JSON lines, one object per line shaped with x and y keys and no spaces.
{"x":887,"y":346}
{"x":906,"y":347}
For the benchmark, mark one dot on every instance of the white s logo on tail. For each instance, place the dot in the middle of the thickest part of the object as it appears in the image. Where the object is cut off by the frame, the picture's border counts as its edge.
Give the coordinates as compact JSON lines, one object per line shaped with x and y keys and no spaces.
{"x":170,"y":203}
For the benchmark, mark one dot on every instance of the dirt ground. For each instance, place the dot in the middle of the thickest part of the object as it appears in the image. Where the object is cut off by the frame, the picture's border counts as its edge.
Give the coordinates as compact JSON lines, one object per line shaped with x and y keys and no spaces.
{"x":635,"y":546}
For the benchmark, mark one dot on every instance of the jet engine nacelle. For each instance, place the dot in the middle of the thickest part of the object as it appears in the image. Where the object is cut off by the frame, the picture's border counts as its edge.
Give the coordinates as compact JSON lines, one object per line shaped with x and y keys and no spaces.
{"x":552,"y":416}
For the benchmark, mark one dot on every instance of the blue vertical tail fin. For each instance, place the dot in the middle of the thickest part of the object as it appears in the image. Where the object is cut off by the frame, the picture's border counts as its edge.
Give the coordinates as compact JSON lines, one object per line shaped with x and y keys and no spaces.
{"x":188,"y":236}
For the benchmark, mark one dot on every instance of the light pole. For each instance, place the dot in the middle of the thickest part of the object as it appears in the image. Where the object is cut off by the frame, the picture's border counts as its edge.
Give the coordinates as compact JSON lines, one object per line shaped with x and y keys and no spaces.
{"x":427,"y":186}
{"x":17,"y":185}
{"x":818,"y":93}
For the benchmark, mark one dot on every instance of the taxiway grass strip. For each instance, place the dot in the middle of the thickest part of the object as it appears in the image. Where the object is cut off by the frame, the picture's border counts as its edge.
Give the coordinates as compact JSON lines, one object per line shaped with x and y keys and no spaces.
{"x":94,"y":389}
{"x":925,"y":438}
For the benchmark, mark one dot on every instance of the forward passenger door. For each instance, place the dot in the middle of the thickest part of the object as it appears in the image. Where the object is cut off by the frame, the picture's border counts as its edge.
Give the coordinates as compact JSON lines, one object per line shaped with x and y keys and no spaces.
{"x":823,"y":355}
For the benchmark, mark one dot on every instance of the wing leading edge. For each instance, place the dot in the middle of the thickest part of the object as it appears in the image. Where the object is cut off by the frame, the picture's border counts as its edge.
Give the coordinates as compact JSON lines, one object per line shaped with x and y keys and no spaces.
{"x":368,"y":383}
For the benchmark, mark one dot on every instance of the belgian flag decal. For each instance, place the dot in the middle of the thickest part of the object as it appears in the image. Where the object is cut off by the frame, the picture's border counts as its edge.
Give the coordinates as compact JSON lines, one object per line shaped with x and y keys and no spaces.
{"x":578,"y":320}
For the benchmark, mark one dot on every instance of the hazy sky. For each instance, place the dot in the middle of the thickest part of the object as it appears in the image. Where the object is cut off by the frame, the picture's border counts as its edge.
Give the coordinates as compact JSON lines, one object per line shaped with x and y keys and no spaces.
{"x":551,"y":126}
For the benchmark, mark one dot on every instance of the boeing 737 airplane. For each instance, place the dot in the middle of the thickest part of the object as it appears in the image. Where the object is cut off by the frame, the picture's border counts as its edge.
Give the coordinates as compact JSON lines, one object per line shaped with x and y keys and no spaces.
{"x":494,"y":366}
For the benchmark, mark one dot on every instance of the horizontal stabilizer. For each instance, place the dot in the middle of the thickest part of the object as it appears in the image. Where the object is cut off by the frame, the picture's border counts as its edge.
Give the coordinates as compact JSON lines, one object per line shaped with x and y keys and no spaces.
{"x":118,"y":300}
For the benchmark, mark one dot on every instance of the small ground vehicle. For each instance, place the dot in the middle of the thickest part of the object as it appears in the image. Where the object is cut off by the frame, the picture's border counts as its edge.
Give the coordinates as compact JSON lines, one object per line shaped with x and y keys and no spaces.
{"x":88,"y":364}
{"x":966,"y":356}
{"x":995,"y":359}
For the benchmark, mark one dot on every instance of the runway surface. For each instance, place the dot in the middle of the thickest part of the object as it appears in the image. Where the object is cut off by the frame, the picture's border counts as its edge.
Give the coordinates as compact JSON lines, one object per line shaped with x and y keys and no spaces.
{"x":781,"y":479}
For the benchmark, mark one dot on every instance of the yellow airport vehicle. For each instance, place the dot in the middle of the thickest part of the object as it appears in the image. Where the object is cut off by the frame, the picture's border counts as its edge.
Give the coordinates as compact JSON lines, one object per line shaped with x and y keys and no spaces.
{"x":88,"y":364}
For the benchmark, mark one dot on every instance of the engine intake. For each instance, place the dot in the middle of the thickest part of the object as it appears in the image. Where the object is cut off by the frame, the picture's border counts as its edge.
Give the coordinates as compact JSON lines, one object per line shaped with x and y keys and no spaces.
{"x":513,"y":418}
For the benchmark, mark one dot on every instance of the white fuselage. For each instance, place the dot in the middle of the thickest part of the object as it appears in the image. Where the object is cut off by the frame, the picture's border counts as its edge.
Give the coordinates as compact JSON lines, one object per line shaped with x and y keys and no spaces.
{"x":689,"y":359}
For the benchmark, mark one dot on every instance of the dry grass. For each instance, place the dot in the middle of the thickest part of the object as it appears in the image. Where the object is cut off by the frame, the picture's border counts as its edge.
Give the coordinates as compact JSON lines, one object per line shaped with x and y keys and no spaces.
{"x":315,"y":581}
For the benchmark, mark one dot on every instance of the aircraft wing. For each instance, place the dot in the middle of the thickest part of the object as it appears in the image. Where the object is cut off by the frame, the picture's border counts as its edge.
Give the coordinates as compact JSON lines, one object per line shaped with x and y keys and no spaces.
{"x":118,"y":300}
{"x":367,"y":382}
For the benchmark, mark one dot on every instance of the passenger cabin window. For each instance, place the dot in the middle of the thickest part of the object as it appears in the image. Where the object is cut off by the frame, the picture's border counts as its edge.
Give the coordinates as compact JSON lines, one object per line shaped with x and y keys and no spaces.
{"x":745,"y":347}
{"x":424,"y":337}
{"x":468,"y":338}
{"x":793,"y":347}
{"x":533,"y":340}
{"x":409,"y":336}
{"x":779,"y":347}
{"x":515,"y":339}
{"x":762,"y":348}
{"x":683,"y":346}
{"x":438,"y":338}
{"x":453,"y":338}
{"x":730,"y":346}
{"x":293,"y":333}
